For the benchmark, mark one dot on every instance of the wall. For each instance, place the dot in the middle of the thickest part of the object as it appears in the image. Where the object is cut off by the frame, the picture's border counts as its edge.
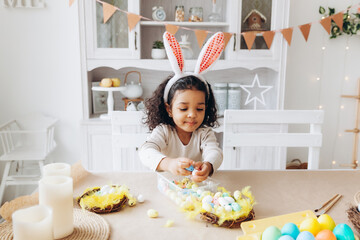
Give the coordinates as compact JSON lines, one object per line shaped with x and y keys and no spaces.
{"x":308,"y":61}
{"x":40,"y":71}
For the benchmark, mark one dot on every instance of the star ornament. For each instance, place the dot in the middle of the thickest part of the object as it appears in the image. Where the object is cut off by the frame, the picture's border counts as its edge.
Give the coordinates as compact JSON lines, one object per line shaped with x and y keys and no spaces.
{"x":255,"y":92}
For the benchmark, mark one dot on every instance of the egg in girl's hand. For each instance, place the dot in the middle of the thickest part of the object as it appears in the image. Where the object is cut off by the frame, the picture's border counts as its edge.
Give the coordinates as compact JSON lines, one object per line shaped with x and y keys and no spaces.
{"x":286,"y":237}
{"x":271,"y":233}
{"x":290,"y":229}
{"x":310,"y":225}
{"x":305,"y":236}
{"x":326,"y":222}
{"x":343,"y":232}
{"x":325,"y":234}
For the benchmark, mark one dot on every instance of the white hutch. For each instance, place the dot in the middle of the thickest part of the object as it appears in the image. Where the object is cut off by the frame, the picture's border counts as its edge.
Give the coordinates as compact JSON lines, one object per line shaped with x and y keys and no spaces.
{"x":110,"y":50}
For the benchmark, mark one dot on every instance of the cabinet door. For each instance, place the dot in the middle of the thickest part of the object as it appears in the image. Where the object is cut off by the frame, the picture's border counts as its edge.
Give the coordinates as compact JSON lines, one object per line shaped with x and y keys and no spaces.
{"x":111,"y":40}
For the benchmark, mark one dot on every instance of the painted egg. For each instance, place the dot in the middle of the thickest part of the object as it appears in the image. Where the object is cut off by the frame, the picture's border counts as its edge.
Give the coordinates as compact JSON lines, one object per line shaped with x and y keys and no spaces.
{"x":235,"y":206}
{"x":305,"y":236}
{"x":310,"y":225}
{"x":229,"y":199}
{"x":140,"y":198}
{"x":286,"y":237}
{"x":326,"y":222}
{"x":207,"y":199}
{"x":228,"y":208}
{"x":271,"y":233}
{"x":237,"y":194}
{"x":325,"y":234}
{"x":225,"y":194}
{"x":223,"y":201}
{"x":194,"y":172}
{"x":290,"y":229}
{"x":343,"y":232}
{"x":218,"y":195}
{"x":207,"y":207}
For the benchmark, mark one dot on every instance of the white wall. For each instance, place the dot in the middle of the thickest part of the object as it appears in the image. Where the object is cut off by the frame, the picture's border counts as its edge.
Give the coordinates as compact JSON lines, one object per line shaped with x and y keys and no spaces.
{"x":40,"y":70}
{"x":307,"y":61}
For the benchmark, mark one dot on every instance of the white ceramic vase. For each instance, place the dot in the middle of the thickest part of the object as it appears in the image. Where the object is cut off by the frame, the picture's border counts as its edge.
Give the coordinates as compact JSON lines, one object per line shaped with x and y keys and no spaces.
{"x":158,"y":53}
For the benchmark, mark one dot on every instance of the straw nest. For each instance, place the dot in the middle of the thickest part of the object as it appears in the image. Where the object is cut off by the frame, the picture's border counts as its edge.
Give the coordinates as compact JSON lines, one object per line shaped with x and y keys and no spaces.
{"x":354,"y":217}
{"x":213,"y":219}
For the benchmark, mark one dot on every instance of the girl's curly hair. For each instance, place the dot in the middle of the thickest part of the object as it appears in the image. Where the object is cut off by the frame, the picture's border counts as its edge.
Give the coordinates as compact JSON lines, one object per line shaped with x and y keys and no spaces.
{"x":155,"y":109}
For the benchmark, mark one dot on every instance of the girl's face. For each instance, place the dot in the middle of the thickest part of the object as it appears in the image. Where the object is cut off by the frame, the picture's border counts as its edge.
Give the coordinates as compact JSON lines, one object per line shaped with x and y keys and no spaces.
{"x":187,"y":109}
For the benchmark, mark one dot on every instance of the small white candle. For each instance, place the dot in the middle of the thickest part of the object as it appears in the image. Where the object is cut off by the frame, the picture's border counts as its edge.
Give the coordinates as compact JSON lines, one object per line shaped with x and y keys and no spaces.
{"x":33,"y":223}
{"x":57,"y":169}
{"x":57,"y":193}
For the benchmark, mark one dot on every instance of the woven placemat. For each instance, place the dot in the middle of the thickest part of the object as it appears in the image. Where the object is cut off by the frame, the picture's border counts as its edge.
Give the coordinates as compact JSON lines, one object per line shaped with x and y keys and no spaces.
{"x":87,"y":225}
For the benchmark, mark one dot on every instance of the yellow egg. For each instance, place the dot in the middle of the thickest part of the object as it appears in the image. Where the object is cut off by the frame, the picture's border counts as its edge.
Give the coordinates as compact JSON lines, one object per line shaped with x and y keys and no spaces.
{"x":311,"y":225}
{"x":326,"y":222}
{"x":152,"y":213}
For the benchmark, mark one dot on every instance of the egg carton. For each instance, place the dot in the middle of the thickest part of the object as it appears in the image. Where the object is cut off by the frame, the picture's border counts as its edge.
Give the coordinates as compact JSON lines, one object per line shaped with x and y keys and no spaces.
{"x":166,"y":185}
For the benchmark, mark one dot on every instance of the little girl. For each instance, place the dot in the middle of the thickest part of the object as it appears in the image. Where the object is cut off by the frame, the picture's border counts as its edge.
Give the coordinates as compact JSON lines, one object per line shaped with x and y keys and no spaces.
{"x":180,"y":115}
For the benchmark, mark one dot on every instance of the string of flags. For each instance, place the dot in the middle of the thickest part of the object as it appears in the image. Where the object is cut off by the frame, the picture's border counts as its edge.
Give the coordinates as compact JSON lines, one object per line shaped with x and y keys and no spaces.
{"x":249,"y":37}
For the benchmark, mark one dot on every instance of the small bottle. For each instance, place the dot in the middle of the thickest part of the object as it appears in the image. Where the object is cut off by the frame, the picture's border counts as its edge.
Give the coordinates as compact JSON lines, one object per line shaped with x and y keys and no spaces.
{"x":179,"y":13}
{"x":196,"y":14}
{"x":221,"y":96}
{"x":234,"y":96}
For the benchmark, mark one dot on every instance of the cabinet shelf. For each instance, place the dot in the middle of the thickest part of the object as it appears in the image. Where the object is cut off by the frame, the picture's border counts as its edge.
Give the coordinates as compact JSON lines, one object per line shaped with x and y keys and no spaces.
{"x":185,"y":24}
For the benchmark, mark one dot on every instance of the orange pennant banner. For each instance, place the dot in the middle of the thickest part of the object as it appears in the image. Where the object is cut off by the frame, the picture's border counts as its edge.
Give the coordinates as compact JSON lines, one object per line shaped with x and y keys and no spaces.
{"x":268,"y":37}
{"x":287,"y":33}
{"x":171,"y":28}
{"x":133,"y":19}
{"x":108,"y":11}
{"x":201,"y":36}
{"x":338,"y":19}
{"x":305,"y":30}
{"x":71,"y":2}
{"x":227,"y":37}
{"x":326,"y":23}
{"x":249,"y":38}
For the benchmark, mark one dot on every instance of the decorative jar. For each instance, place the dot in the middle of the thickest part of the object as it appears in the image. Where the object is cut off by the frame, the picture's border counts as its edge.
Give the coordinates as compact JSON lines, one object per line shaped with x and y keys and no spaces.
{"x":234,"y":96}
{"x":196,"y":14}
{"x":221,"y":97}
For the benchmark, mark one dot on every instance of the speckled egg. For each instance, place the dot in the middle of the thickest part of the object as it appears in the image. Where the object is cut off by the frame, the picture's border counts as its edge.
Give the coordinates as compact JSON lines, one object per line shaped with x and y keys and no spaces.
{"x":305,"y":236}
{"x":271,"y":233}
{"x":235,"y":206}
{"x":325,"y":234}
{"x":290,"y":229}
{"x":342,"y":231}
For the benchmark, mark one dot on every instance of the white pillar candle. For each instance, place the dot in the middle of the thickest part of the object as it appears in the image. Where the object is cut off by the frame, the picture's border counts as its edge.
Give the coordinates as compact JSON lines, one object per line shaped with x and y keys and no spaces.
{"x":33,"y":223}
{"x":57,"y":169}
{"x":57,"y":193}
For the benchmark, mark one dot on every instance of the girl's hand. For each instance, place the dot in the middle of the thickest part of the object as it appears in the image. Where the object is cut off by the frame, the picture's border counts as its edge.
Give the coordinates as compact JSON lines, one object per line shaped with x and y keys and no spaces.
{"x":204,"y":169}
{"x":176,"y":165}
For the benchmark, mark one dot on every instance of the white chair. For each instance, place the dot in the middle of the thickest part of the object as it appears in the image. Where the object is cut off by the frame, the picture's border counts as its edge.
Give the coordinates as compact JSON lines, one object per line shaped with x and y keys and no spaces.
{"x":25,"y":140}
{"x":259,"y":139}
{"x":128,"y":134}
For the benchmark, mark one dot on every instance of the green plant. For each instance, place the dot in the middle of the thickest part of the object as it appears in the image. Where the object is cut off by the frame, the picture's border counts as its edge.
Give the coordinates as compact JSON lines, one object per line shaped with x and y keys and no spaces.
{"x":351,"y":22}
{"x":158,"y":45}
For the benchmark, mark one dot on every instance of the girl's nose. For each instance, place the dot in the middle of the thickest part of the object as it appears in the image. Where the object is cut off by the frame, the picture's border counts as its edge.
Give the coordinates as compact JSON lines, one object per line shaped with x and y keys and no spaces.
{"x":192,"y":114}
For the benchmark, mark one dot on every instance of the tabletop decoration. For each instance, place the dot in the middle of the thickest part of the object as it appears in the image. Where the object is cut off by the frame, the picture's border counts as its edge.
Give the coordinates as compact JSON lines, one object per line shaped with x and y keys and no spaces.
{"x":33,"y":223}
{"x":106,"y":199}
{"x":57,"y":169}
{"x":257,"y":92}
{"x":353,"y":212}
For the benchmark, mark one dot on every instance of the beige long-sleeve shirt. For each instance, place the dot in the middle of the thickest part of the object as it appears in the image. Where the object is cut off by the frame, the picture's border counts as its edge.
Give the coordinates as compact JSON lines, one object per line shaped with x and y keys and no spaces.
{"x":165,"y":142}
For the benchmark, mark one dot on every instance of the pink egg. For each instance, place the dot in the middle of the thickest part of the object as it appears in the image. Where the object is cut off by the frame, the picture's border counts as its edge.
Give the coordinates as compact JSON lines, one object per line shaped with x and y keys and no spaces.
{"x":325,"y":235}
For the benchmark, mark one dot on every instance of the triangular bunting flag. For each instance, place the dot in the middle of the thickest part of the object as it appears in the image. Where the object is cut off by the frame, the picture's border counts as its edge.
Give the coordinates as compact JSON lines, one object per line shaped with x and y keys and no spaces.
{"x":305,"y":29}
{"x":268,"y":37}
{"x":200,"y":36}
{"x":287,"y":33}
{"x":71,"y":2}
{"x":171,"y":28}
{"x":338,"y":19}
{"x":108,"y":11}
{"x":249,"y":38}
{"x":227,"y":37}
{"x":326,"y":23}
{"x":133,"y":19}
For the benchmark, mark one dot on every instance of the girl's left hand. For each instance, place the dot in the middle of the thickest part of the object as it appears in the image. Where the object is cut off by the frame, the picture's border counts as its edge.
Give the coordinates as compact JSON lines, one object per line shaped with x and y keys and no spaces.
{"x":203,"y":171}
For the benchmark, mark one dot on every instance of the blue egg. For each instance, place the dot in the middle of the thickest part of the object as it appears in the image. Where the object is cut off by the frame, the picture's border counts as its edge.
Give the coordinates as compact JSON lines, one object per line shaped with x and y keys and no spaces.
{"x":225,"y":194}
{"x":305,"y":235}
{"x":191,"y":168}
{"x":286,"y":237}
{"x":235,"y":206}
{"x":290,"y":229}
{"x":342,"y":231}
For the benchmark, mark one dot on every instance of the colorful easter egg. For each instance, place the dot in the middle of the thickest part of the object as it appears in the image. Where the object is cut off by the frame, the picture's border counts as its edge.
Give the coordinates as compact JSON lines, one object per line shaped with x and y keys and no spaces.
{"x":271,"y":233}
{"x":305,"y":236}
{"x":326,"y":222}
{"x":343,"y":232}
{"x":310,"y":225}
{"x":286,"y":237}
{"x":290,"y":229}
{"x":325,"y":234}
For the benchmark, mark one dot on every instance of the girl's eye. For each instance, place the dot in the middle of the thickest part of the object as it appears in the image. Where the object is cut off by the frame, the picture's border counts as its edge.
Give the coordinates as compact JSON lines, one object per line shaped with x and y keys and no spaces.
{"x":200,"y":109}
{"x":183,"y":109}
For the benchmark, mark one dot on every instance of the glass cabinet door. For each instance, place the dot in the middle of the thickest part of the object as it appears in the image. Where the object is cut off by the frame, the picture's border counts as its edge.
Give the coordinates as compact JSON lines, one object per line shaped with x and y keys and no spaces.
{"x":111,"y":40}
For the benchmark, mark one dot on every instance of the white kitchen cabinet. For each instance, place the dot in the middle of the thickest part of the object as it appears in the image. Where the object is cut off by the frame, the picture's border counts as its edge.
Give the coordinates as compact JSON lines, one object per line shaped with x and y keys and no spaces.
{"x":110,"y":50}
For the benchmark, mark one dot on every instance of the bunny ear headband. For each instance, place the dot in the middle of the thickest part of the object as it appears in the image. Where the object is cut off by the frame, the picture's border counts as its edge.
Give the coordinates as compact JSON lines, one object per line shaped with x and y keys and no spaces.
{"x":207,"y":57}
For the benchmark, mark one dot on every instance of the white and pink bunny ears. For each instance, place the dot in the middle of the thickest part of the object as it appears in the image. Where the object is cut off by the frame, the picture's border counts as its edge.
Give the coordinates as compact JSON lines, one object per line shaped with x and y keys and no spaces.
{"x":207,"y":57}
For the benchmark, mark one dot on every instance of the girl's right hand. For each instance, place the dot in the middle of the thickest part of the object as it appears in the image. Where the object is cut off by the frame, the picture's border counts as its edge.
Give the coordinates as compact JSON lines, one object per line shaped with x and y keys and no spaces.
{"x":177,"y":165}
